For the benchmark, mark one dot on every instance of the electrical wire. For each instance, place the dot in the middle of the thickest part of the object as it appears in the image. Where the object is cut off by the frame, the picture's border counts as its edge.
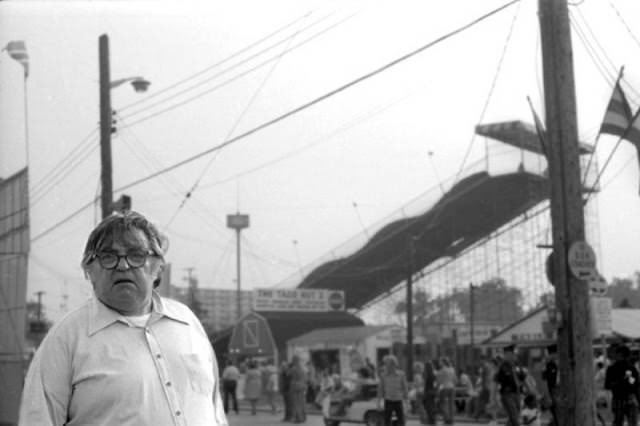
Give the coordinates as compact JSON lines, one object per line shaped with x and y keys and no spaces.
{"x":235,"y":125}
{"x":234,"y":78}
{"x":491,"y":88}
{"x":217,"y":64}
{"x":325,"y":96}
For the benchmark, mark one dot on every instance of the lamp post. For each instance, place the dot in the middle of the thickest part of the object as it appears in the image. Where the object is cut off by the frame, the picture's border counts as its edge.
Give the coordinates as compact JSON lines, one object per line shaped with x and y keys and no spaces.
{"x":140,"y":85}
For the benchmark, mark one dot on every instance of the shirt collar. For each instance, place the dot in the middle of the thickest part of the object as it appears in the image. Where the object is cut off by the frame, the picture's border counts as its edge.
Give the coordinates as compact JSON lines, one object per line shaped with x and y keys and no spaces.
{"x":101,"y":316}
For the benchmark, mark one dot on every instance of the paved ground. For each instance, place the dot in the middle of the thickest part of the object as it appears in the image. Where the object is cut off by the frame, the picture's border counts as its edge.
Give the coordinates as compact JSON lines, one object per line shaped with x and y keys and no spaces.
{"x":268,"y":419}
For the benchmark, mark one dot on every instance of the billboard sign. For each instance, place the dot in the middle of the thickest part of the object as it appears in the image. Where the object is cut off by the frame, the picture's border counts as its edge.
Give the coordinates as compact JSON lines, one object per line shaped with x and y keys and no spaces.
{"x":299,"y":300}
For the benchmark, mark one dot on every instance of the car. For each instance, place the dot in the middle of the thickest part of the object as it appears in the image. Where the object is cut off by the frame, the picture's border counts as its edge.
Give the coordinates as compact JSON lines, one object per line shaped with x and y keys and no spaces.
{"x":358,"y":403}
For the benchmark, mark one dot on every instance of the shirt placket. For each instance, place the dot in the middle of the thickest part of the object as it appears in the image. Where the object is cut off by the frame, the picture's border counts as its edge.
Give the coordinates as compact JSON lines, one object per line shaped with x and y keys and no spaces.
{"x":168,"y":386}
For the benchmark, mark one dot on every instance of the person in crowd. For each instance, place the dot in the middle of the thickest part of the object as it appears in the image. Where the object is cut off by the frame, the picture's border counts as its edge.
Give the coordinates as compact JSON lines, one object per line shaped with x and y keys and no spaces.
{"x":485,"y":374}
{"x":550,"y":377}
{"x":370,"y":367}
{"x":530,"y":414}
{"x":430,"y":393}
{"x":270,"y":383}
{"x":447,"y":380}
{"x":494,"y":395}
{"x":393,"y":390}
{"x":297,"y":389}
{"x":603,"y":396}
{"x":230,"y":377}
{"x":253,"y":385}
{"x":127,"y":356}
{"x":284,"y":385}
{"x":464,"y":382}
{"x":417,"y":388}
{"x":622,"y":379}
{"x":509,"y":387}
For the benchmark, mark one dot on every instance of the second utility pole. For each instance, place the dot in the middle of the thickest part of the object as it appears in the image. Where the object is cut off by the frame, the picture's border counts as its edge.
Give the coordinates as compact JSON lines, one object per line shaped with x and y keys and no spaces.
{"x":575,"y":402}
{"x":105,"y":126}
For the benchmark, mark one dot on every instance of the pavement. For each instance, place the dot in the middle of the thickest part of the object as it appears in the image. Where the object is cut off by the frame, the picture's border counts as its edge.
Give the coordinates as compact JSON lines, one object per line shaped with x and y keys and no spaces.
{"x":264,"y":418}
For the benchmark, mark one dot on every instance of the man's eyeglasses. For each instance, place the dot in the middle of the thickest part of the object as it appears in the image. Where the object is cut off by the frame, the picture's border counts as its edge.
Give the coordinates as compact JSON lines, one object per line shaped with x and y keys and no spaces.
{"x":135,"y":259}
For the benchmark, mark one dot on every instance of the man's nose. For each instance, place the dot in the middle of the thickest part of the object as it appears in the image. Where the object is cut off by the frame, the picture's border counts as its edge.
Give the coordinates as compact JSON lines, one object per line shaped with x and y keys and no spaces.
{"x":122,"y":261}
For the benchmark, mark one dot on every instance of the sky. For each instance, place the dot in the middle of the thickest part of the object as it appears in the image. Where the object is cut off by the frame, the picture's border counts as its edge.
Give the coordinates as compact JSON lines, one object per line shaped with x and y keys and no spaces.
{"x":316,"y":178}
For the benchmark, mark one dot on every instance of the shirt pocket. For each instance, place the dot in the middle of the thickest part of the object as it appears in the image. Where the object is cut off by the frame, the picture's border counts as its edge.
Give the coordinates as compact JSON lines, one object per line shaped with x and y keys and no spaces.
{"x":200,"y":372}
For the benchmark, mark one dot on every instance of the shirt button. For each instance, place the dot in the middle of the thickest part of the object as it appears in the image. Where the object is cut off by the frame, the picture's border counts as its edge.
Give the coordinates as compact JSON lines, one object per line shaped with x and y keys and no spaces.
{"x":158,"y":356}
{"x":178,"y":413}
{"x":168,"y":383}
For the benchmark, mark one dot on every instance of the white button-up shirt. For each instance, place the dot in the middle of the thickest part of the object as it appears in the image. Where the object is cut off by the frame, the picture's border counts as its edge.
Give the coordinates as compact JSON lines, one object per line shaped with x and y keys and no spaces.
{"x":95,"y":367}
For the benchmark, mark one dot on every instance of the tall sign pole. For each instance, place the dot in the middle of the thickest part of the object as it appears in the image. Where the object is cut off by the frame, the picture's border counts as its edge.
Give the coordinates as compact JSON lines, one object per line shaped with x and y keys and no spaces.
{"x":238,"y":222}
{"x":106,"y":198}
{"x":575,"y":352}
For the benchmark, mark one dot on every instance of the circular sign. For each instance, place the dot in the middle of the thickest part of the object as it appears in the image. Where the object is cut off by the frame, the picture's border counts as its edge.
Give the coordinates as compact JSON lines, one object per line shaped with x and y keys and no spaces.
{"x":598,"y":285}
{"x":336,"y":300}
{"x":582,"y":260}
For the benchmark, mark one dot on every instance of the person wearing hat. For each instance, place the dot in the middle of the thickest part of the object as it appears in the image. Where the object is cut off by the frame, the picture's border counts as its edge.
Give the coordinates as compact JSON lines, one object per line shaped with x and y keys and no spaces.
{"x":508,"y":386}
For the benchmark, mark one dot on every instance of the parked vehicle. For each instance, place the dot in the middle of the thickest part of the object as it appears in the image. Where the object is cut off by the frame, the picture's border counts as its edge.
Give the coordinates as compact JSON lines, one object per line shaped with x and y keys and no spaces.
{"x":359,"y":404}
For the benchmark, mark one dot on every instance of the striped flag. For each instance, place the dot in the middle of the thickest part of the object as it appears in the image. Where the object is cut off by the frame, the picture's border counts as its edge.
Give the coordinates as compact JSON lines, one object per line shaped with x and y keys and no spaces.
{"x":18,"y":51}
{"x":618,"y":119}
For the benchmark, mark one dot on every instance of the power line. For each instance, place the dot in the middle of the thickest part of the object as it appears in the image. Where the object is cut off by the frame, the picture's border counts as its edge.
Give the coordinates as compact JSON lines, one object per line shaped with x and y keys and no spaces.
{"x":229,"y":133}
{"x":492,"y":87}
{"x":325,"y":96}
{"x":293,"y":111}
{"x":228,"y":58}
{"x":231,"y":79}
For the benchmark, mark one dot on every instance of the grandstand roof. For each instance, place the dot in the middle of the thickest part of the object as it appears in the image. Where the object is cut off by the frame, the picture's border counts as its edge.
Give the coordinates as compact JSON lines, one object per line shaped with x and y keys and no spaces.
{"x":474,"y":208}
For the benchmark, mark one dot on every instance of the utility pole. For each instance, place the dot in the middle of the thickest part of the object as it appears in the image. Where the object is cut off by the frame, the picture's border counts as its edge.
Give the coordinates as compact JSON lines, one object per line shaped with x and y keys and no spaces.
{"x":39,"y":311}
{"x":575,"y":352}
{"x":471,"y":319}
{"x":409,"y":346}
{"x":238,"y":222}
{"x":191,"y":286}
{"x":105,"y":126}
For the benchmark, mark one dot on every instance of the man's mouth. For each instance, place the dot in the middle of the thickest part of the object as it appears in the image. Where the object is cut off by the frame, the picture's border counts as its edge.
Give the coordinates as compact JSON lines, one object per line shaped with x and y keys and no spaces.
{"x":123,"y":281}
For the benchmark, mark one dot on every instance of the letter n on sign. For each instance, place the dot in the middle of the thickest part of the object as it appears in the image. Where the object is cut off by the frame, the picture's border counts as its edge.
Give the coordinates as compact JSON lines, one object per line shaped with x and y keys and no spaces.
{"x":250,"y":336}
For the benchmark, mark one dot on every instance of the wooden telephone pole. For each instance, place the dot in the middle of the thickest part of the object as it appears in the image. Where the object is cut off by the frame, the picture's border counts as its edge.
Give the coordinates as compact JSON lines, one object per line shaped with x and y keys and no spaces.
{"x":575,"y":402}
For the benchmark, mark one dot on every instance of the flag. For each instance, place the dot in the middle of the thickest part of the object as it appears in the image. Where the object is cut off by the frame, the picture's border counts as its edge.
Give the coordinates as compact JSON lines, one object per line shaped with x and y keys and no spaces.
{"x":618,"y":117}
{"x":18,"y":51}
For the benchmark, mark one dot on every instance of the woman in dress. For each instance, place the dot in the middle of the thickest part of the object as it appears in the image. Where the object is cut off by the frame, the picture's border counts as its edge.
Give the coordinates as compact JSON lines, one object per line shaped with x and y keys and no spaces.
{"x":253,"y":386}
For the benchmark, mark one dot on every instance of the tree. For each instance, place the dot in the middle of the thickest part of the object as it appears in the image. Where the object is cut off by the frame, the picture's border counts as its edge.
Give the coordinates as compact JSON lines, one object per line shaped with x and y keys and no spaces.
{"x":625,"y":292}
{"x":494,"y":302}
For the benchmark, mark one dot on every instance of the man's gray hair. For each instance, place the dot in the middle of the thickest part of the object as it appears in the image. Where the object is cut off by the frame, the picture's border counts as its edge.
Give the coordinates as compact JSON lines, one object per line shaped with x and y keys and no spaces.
{"x":116,"y":226}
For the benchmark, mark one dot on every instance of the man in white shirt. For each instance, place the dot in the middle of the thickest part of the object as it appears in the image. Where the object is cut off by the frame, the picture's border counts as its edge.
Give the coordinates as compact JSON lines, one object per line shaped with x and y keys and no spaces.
{"x":127,"y":356}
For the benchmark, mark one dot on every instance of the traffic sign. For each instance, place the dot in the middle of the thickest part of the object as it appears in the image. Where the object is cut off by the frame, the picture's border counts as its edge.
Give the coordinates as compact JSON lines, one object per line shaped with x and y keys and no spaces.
{"x":597,"y":284}
{"x":582,"y":260}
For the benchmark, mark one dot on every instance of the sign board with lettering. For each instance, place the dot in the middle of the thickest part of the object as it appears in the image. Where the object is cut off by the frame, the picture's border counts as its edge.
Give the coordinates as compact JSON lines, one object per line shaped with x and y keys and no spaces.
{"x":582,"y":260}
{"x":601,"y":322}
{"x":299,"y":300}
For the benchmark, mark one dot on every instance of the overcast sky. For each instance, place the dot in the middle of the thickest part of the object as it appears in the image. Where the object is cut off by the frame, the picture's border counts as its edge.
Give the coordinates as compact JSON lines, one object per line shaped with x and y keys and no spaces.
{"x":317,"y":178}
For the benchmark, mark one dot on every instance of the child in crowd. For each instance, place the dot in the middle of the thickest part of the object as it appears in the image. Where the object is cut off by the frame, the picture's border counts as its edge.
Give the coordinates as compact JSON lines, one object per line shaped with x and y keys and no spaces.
{"x":530,"y":414}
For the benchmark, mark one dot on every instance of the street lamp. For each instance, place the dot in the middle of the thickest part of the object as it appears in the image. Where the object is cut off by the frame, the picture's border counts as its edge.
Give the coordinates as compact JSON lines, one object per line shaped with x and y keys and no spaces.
{"x":140,"y":85}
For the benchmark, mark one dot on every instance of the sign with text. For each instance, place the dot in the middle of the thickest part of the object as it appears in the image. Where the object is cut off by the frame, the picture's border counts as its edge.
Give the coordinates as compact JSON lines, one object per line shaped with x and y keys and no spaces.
{"x":601,"y":316}
{"x":299,"y":300}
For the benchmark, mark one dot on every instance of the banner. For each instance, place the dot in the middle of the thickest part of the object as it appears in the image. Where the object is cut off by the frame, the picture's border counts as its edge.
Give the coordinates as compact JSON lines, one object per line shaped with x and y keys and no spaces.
{"x":298,"y":300}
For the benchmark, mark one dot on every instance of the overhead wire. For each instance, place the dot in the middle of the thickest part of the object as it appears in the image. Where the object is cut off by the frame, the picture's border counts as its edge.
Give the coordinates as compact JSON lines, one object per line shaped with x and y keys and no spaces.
{"x":326,"y":95}
{"x":491,"y":88}
{"x":293,"y":111}
{"x":153,"y":163}
{"x":233,"y":128}
{"x":217,"y":64}
{"x":235,"y":77}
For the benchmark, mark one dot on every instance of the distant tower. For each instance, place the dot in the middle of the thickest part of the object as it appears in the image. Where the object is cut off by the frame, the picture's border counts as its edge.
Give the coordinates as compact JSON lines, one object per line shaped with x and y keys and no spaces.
{"x":238,"y":222}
